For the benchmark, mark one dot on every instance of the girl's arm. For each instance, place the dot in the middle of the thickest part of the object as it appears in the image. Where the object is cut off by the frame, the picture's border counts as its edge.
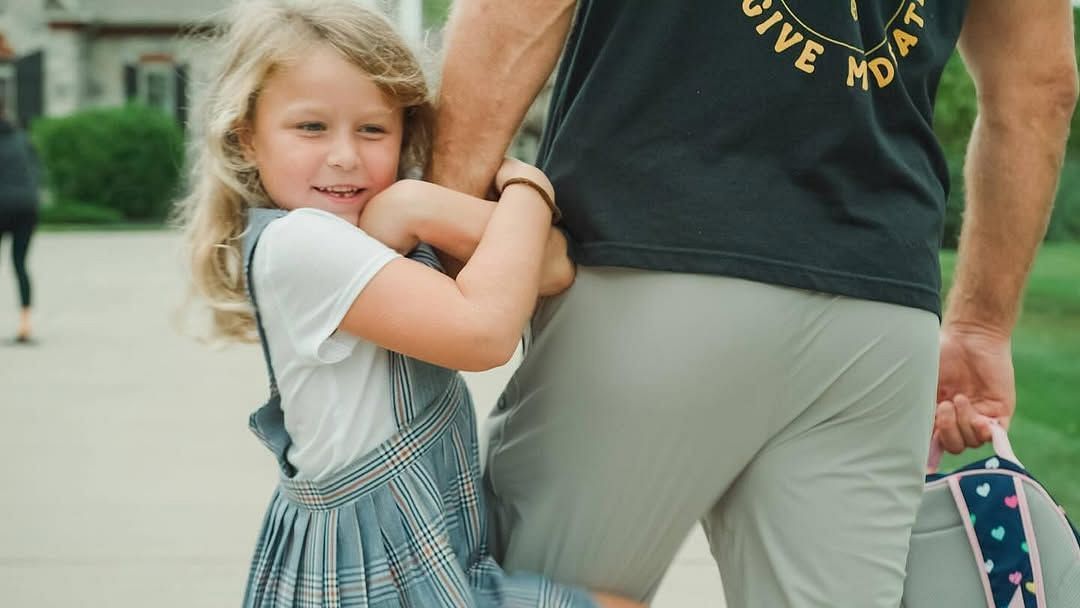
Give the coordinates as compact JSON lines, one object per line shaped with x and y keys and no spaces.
{"x":472,"y":322}
{"x":453,"y":223}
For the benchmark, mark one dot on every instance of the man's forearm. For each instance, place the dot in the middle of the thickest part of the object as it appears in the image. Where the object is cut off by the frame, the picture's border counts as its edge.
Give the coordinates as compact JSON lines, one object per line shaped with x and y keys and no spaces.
{"x":498,"y":56}
{"x":1024,"y":66}
{"x":1013,"y":163}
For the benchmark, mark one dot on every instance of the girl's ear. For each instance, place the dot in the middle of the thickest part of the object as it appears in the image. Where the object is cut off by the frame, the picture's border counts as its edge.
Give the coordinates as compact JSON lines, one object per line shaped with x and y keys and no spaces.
{"x":245,"y":137}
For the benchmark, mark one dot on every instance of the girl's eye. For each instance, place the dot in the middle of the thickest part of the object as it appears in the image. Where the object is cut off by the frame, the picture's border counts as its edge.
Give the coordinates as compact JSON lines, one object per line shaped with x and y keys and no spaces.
{"x":372,"y":129}
{"x":311,"y":127}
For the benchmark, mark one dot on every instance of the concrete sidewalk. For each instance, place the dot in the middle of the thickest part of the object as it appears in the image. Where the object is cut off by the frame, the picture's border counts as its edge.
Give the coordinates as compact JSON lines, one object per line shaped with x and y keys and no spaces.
{"x":130,"y":478}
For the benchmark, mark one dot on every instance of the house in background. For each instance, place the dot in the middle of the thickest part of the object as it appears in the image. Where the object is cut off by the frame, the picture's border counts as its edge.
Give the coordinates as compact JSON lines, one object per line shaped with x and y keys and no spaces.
{"x":60,"y":56}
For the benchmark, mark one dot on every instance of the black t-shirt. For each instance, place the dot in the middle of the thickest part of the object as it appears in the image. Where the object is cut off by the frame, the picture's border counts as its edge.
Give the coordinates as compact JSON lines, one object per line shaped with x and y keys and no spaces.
{"x":783,"y":141}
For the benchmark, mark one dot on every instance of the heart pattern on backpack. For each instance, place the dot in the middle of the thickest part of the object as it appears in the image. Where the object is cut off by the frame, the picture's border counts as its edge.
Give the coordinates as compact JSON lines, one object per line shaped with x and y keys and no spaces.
{"x":992,"y":502}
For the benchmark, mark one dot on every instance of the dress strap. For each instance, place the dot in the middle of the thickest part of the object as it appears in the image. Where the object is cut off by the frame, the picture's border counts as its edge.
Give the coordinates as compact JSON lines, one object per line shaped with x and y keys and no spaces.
{"x":403,"y":370}
{"x":267,"y":422}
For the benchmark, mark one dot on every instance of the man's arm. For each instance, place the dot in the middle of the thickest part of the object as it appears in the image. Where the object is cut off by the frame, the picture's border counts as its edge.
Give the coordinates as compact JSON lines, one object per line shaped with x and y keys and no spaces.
{"x":498,"y":56}
{"x":1022,"y":60}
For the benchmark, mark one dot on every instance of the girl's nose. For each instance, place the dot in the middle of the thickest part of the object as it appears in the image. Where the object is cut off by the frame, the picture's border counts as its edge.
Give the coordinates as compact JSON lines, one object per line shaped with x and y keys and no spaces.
{"x":342,"y":156}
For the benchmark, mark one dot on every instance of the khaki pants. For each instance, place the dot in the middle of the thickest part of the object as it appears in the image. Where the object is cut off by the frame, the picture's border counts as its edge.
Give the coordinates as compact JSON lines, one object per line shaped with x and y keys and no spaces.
{"x":794,"y":425}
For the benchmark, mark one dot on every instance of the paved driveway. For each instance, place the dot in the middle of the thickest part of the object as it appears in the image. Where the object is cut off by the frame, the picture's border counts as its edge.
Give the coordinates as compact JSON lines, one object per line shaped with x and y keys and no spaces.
{"x":129,"y":476}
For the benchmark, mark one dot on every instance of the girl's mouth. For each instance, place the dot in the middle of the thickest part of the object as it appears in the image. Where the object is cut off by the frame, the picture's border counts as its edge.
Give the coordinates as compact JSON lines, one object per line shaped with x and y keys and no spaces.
{"x":339,"y":191}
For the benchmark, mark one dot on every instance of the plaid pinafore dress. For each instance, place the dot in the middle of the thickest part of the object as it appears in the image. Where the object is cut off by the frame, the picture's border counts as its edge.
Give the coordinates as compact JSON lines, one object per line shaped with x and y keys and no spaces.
{"x":403,"y":526}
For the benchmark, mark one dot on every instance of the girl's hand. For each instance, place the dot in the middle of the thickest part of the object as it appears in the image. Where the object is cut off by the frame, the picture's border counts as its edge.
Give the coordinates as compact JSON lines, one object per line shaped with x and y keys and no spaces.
{"x":558,"y":272}
{"x":511,"y":168}
{"x":391,"y":216}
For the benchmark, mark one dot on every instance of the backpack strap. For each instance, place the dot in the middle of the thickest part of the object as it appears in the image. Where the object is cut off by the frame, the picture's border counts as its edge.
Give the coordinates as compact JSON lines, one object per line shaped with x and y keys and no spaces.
{"x":1002,"y":447}
{"x":995,"y":515}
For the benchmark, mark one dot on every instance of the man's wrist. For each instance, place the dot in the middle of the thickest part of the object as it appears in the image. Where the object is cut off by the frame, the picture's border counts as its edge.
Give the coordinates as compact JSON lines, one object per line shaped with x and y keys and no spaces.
{"x":445,"y":170}
{"x":957,"y":322}
{"x":987,"y":288}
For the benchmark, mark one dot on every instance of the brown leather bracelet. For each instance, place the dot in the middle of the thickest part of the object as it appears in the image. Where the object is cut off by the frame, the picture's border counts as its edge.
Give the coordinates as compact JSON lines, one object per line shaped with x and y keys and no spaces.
{"x":556,"y":213}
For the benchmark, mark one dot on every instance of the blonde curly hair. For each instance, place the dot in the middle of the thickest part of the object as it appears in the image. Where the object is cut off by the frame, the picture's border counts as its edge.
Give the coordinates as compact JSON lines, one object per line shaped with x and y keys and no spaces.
{"x":259,"y":37}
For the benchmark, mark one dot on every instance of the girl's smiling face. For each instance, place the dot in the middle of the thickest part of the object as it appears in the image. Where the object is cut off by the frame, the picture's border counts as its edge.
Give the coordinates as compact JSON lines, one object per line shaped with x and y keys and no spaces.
{"x":324,"y":136}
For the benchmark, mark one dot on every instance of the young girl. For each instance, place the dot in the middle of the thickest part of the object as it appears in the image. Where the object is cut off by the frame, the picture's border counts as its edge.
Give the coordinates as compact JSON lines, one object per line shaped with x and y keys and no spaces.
{"x":316,"y":114}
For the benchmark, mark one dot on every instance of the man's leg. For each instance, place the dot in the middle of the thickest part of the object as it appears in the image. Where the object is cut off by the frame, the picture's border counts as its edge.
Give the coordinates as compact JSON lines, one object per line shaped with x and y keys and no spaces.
{"x":631,"y":414}
{"x":822,"y":515}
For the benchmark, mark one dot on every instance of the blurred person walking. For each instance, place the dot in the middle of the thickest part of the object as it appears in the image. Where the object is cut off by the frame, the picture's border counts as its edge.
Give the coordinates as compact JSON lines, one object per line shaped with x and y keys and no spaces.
{"x":18,"y":207}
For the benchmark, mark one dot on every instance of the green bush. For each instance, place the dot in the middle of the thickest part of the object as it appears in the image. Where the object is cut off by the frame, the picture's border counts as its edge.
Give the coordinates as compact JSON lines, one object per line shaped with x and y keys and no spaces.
{"x":1065,"y":220}
{"x":435,"y":12}
{"x":128,"y":159}
{"x":954,"y":115}
{"x":68,"y":212}
{"x":955,"y":108}
{"x":1074,"y":138}
{"x":954,"y":206}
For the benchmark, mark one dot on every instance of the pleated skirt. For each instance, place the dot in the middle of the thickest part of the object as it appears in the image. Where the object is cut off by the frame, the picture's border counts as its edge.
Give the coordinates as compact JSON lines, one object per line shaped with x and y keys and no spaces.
{"x":403,"y":526}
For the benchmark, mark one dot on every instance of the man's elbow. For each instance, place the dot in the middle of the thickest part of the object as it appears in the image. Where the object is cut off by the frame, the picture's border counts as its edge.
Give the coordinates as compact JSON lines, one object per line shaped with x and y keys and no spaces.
{"x":1061,"y":93}
{"x":1049,"y":98}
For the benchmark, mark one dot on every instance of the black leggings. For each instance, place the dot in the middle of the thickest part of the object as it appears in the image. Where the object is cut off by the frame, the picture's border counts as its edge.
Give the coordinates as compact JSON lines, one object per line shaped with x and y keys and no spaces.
{"x":21,"y":226}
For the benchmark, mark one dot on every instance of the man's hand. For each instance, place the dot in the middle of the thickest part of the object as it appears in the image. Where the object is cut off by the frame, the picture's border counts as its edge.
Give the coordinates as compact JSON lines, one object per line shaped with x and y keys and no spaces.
{"x":975,"y":386}
{"x":388,"y":217}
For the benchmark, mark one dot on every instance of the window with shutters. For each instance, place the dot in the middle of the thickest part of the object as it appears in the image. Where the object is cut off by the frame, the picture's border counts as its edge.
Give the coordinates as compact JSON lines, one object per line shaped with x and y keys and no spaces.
{"x":156,"y":87}
{"x":158,"y":81}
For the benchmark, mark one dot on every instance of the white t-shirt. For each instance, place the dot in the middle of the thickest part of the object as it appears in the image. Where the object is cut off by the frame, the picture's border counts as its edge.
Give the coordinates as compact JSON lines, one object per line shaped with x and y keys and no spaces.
{"x":309,"y":266}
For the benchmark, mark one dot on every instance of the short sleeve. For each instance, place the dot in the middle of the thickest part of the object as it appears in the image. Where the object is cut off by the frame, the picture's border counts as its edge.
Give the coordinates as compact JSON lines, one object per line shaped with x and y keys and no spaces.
{"x":312,"y":265}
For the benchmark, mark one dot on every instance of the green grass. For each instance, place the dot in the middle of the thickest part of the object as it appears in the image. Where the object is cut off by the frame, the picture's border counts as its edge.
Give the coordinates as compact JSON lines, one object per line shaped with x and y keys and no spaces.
{"x":1046,"y":353}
